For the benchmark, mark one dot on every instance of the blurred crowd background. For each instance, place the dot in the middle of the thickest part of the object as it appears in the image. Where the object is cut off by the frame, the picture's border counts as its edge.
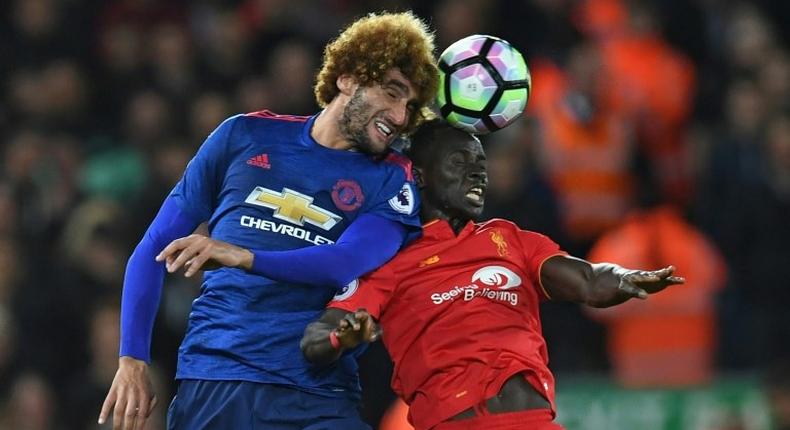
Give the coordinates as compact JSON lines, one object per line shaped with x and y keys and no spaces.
{"x":658,"y":133}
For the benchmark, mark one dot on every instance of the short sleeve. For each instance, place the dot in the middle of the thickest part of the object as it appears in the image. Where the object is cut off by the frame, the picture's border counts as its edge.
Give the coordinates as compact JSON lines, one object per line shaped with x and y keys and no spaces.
{"x":197,"y":192}
{"x":371,"y":292}
{"x":399,"y":199}
{"x":537,"y":248}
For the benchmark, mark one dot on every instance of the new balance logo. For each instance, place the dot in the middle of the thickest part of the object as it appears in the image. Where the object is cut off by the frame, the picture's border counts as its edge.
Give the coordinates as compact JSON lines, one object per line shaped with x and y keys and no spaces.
{"x":428,"y":261}
{"x":261,"y":161}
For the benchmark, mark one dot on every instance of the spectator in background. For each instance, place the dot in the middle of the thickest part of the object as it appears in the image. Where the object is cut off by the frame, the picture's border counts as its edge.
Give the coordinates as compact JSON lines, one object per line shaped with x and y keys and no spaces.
{"x":778,"y":383}
{"x":519,"y":173}
{"x":648,"y":81}
{"x":754,"y":235}
{"x":31,"y":405}
{"x":90,"y":385}
{"x":289,"y":72}
{"x":8,"y":350}
{"x":587,"y":150}
{"x":669,"y":341}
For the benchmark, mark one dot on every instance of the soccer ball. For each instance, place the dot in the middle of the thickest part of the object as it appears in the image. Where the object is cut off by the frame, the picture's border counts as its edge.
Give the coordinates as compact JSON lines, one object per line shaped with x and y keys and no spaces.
{"x":484,"y":84}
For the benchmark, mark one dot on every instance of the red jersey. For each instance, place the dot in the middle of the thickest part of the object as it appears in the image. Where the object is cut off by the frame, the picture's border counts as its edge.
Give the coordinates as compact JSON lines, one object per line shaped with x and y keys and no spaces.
{"x":460,"y":315}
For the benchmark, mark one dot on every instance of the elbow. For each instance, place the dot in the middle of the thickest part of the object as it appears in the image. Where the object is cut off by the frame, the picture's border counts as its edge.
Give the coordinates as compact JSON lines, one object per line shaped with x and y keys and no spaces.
{"x":340,"y":278}
{"x":304,"y":345}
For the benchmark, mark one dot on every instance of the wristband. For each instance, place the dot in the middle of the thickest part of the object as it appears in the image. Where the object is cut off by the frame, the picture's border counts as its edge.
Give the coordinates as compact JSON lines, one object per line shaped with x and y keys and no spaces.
{"x":333,"y":340}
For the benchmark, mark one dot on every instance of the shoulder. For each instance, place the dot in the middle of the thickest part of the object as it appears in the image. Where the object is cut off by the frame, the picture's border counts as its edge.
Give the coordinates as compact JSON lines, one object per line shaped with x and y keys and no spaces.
{"x":269,"y":116}
{"x":399,"y":163}
{"x":511,"y":229}
{"x":497,"y":223}
{"x":268,"y":120}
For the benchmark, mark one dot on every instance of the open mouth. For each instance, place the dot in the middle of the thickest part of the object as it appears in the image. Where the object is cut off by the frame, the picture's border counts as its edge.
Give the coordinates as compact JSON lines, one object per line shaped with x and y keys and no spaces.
{"x":476,"y":194}
{"x":384,"y":129}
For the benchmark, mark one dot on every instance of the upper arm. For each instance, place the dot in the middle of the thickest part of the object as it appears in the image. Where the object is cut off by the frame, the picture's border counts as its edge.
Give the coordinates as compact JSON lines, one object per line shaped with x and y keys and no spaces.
{"x":367,"y":243}
{"x":398,"y":199}
{"x":198,"y":190}
{"x":566,"y":278}
{"x":373,"y":240}
{"x":371,"y":292}
{"x":538,"y":250}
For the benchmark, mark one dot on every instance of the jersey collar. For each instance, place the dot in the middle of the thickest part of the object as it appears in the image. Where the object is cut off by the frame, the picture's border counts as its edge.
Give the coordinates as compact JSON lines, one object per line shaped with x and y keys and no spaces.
{"x":439,"y":229}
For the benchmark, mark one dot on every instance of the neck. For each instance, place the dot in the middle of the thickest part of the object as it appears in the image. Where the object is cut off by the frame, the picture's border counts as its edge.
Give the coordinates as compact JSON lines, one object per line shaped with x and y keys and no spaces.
{"x":428,"y":214}
{"x":457,"y":224}
{"x":326,"y":130}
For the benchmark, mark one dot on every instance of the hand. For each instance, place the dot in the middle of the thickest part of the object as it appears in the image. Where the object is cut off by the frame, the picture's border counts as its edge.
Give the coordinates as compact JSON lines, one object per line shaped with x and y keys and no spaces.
{"x":641,"y":283}
{"x":197,"y":252}
{"x":357,"y":327}
{"x":131,"y":394}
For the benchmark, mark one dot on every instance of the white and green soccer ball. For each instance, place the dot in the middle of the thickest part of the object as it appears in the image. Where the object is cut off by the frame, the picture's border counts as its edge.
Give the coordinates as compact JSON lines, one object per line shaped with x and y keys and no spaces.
{"x":484,"y":84}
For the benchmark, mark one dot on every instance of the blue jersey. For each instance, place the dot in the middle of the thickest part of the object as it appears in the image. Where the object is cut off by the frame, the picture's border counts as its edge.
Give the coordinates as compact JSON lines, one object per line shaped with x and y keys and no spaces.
{"x":263,"y":182}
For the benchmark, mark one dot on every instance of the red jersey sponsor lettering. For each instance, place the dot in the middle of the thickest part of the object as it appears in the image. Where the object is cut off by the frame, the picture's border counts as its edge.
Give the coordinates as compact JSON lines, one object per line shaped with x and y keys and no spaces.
{"x":460,"y":315}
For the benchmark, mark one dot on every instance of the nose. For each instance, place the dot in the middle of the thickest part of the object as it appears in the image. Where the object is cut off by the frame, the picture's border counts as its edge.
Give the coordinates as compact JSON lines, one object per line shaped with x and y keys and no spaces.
{"x":478,"y":174}
{"x":400,"y":114}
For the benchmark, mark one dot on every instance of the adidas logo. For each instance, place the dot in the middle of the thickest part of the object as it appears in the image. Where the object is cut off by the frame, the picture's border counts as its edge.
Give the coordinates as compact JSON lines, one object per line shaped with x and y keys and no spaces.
{"x":261,"y":161}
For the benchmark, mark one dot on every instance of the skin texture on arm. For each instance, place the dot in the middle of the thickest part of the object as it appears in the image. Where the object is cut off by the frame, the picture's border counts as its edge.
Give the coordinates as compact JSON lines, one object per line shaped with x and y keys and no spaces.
{"x":351,"y":328}
{"x":601,"y":285}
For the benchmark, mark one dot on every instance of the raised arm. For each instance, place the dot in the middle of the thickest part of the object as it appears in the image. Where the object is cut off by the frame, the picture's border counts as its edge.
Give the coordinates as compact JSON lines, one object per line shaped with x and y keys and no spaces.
{"x":325,"y":340}
{"x":601,"y":285}
{"x":369,"y":242}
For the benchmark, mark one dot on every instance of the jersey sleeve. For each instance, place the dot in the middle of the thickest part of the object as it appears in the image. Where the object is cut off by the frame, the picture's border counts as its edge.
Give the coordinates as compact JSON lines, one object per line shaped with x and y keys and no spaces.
{"x":537,"y":248}
{"x":371,"y":292}
{"x":399,"y":199}
{"x":197,"y":192}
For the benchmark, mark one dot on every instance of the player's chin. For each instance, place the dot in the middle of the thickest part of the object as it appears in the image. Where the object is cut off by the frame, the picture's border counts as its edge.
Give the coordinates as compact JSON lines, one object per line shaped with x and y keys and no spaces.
{"x":472,"y":209}
{"x":370,"y":148}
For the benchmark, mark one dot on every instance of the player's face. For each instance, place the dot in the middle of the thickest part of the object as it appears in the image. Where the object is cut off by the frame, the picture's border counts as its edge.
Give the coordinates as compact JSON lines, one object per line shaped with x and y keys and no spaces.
{"x":457,"y":178}
{"x":376,"y":114}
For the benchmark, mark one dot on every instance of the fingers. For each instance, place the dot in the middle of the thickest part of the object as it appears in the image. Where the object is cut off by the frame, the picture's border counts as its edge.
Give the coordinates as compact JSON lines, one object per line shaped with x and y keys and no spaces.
{"x":174,"y":248}
{"x":650,"y":275}
{"x":142,"y":412}
{"x":130,"y":414}
{"x":372,"y":330}
{"x":152,"y":406}
{"x":180,"y":251}
{"x":196,"y":263}
{"x":117,"y":416}
{"x":673,"y":280}
{"x":351,"y":321}
{"x":187,"y":254}
{"x":632,"y":290}
{"x":109,"y":401}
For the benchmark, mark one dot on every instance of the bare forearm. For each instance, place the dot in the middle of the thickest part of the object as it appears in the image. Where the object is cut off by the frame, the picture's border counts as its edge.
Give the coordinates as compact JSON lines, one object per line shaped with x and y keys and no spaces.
{"x":604,"y":290}
{"x":601,"y":285}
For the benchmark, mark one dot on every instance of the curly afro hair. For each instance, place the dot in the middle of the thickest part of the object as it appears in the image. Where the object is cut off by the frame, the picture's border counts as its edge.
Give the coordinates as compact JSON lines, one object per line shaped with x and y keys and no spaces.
{"x":371,"y":46}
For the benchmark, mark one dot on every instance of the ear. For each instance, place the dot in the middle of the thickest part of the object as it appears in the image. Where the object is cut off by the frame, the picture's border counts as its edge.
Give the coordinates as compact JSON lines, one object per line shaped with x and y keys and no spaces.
{"x":418,"y":177}
{"x":347,"y":84}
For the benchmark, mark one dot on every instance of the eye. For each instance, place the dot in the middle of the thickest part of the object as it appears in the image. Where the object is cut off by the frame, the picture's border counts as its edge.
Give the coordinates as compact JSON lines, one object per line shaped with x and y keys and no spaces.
{"x":457,"y":160}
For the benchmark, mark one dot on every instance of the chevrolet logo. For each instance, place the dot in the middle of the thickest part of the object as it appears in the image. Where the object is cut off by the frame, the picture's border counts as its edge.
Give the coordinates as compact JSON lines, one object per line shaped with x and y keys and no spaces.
{"x":294,"y":207}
